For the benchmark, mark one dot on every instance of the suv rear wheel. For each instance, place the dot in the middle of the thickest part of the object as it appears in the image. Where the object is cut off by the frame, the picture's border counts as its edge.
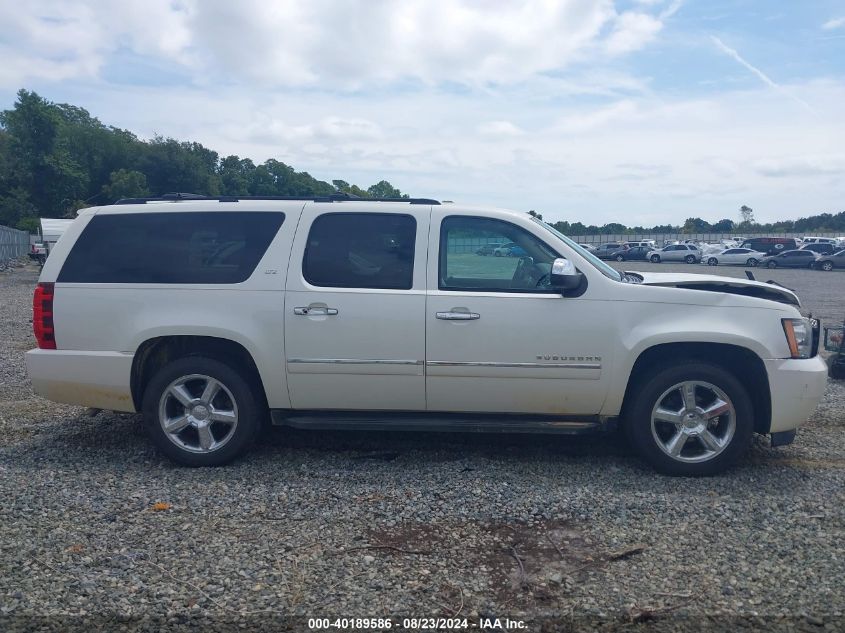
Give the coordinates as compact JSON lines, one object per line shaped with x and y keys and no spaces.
{"x":201,"y":412}
{"x":690,"y":419}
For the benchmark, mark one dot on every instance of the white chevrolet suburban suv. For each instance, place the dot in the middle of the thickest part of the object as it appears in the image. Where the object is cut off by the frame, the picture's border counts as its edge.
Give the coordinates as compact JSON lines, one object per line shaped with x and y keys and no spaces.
{"x":214,"y":315}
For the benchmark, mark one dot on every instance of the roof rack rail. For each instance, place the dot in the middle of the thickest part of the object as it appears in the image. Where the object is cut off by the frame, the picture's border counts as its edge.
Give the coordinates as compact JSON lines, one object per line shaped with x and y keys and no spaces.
{"x":334,"y":197}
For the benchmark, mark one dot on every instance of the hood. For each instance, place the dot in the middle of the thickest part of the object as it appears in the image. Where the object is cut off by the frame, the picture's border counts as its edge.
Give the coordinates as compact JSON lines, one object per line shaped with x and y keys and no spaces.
{"x":728,"y":285}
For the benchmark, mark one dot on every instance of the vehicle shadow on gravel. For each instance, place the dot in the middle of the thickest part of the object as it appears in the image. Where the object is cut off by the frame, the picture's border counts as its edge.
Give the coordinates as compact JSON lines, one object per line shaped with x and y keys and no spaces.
{"x":111,"y":440}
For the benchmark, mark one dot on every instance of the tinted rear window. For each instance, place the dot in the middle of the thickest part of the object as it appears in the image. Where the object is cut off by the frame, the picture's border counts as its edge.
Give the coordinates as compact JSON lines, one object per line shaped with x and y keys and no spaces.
{"x":171,"y":248}
{"x":361,"y":250}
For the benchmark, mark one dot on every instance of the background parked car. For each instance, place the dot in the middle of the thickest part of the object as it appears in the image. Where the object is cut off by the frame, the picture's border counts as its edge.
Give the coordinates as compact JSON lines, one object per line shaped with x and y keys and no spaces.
{"x":829,"y":262}
{"x":820,"y":240}
{"x":790,"y":259}
{"x":632,"y":253}
{"x":735,"y":256}
{"x":487,"y":249}
{"x":606,"y":251}
{"x":511,"y":249}
{"x":771,"y":245}
{"x":822,"y":248}
{"x":38,"y":253}
{"x":646,"y":243}
{"x":676,"y":253}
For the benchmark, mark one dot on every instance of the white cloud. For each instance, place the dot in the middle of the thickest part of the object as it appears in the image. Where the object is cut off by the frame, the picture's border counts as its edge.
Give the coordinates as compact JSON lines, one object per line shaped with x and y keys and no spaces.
{"x":498,"y":129}
{"x":632,"y":31}
{"x":549,"y":114}
{"x":326,"y":43}
{"x":834,"y":23}
{"x":802,"y":166}
{"x":323,"y":42}
{"x":642,"y":159}
{"x":586,"y":121}
{"x":55,"y":39}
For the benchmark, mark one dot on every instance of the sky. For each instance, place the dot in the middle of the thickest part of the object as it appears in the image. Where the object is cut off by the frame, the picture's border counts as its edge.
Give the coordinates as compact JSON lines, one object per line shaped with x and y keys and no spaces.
{"x":636,"y":111}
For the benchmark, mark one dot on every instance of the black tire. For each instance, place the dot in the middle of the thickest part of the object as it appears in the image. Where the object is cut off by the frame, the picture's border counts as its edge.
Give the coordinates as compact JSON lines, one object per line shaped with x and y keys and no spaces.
{"x":655,"y":259}
{"x":689,"y":259}
{"x":712,"y":262}
{"x":645,"y":394}
{"x":498,"y":253}
{"x":248,"y":405}
{"x":751,"y":262}
{"x":772,"y":265}
{"x":620,"y":258}
{"x":826,"y":266}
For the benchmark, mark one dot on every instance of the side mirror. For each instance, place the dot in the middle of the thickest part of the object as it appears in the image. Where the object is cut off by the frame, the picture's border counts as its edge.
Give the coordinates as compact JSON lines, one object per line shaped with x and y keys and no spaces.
{"x":564,"y":276}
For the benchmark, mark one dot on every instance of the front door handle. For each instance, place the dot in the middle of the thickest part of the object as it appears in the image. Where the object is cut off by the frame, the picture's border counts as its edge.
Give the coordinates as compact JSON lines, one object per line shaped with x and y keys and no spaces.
{"x":457,"y":316}
{"x":315,"y":311}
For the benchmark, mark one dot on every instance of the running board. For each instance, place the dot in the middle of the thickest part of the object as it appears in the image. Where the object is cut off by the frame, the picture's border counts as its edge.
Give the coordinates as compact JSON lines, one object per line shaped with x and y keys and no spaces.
{"x":441,"y":422}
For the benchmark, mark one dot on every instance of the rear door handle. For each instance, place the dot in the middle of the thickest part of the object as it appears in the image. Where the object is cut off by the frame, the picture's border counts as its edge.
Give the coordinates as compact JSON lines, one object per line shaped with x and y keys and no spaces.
{"x":457,"y":316}
{"x":316,"y":311}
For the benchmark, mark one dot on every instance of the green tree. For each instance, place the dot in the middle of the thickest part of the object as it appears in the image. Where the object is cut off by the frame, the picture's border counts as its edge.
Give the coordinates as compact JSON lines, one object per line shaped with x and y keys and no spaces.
{"x":614,"y":227}
{"x":29,"y":223}
{"x":534,"y":214}
{"x":384,"y":189}
{"x":747,"y":215}
{"x":723,"y":226}
{"x":562,"y":227}
{"x":125,"y":183}
{"x":16,"y":207}
{"x":342,"y":186}
{"x":696,"y":225}
{"x":237,"y":176}
{"x":42,"y":162}
{"x":664,"y":228}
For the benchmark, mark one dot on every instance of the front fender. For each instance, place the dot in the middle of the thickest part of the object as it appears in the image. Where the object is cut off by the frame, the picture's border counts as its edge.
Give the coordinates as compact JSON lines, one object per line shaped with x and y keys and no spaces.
{"x":755,"y":330}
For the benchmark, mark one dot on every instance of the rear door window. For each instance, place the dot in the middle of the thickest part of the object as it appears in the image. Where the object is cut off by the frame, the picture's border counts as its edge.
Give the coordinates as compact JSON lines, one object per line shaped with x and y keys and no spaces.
{"x":171,"y":248}
{"x":361,"y":250}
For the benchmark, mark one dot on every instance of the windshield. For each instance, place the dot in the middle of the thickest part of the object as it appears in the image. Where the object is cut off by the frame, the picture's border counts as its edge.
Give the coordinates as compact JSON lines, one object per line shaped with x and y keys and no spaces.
{"x":604,"y":269}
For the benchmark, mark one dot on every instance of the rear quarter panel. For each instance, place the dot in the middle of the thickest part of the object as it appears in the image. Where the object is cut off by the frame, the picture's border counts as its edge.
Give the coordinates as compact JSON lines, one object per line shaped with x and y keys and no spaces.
{"x":114,"y":317}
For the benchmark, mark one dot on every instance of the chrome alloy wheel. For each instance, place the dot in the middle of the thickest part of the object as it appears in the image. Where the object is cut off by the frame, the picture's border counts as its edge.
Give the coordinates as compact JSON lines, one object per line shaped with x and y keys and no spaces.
{"x":693,"y":421}
{"x":198,"y":413}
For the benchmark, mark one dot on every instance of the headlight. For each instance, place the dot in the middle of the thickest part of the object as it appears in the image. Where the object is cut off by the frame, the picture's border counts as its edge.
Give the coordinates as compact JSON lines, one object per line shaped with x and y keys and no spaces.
{"x":799,"y":337}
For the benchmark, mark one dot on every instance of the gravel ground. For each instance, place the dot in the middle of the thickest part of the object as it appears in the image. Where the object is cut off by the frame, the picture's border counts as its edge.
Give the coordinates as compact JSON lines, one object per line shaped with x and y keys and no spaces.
{"x":563,"y":533}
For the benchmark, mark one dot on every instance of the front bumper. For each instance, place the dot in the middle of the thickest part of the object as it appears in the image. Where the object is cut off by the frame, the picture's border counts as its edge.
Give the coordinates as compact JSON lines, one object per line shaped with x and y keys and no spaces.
{"x":92,"y":379}
{"x":797,"y":386}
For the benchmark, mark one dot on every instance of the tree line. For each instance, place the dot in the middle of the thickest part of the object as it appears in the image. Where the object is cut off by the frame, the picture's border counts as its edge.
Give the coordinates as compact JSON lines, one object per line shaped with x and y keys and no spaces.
{"x":56,"y":158}
{"x":821,"y":223}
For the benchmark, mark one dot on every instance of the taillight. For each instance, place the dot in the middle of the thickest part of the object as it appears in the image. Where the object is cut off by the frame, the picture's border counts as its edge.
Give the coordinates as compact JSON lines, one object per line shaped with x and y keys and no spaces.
{"x":42,"y":316}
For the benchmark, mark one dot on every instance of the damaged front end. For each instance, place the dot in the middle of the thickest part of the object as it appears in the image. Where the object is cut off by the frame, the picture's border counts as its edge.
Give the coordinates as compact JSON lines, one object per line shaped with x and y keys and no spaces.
{"x":729,"y":285}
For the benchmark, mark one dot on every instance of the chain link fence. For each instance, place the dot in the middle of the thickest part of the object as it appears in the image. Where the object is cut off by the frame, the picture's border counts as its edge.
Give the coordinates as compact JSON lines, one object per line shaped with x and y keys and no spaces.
{"x":13,"y":244}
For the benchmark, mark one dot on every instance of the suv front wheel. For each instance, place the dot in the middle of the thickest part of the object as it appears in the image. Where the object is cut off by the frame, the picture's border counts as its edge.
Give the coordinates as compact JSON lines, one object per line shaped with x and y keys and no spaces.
{"x":201,"y":412}
{"x":690,"y":419}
